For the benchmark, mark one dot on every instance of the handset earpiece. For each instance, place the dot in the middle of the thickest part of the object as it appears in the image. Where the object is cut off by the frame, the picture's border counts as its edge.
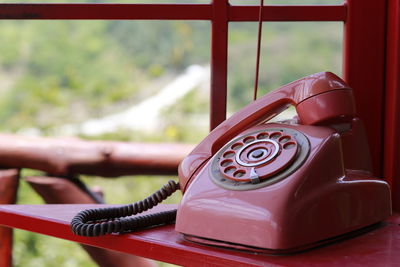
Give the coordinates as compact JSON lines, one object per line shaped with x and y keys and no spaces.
{"x":331,"y":107}
{"x":321,"y":98}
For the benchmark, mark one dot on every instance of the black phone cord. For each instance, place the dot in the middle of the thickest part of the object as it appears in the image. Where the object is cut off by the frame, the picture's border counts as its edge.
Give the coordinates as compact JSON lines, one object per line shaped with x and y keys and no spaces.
{"x":102,"y":221}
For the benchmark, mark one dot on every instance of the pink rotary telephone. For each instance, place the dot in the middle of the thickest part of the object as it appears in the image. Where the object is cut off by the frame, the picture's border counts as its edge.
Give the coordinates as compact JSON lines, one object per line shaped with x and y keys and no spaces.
{"x":283,"y":186}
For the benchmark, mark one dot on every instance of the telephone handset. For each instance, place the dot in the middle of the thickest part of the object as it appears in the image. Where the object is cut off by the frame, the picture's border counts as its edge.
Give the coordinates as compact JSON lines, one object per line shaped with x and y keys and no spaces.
{"x":270,"y":187}
{"x":319,"y":98}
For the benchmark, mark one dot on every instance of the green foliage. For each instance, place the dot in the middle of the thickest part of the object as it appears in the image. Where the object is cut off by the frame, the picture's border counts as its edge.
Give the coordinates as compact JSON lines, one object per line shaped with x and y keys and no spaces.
{"x":290,"y":50}
{"x":171,"y":44}
{"x":63,"y":67}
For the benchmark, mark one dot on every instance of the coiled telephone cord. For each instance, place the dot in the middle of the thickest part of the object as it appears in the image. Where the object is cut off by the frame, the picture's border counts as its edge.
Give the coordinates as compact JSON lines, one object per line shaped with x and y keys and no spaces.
{"x":102,"y":221}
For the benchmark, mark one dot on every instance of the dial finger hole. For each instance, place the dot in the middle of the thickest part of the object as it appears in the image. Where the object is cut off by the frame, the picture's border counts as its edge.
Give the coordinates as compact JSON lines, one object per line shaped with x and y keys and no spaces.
{"x":284,"y":139}
{"x":229,"y":154}
{"x":289,"y":145}
{"x":239,"y":173}
{"x":226,"y":163}
{"x":262,"y":136}
{"x":275,"y":135}
{"x":237,"y":146}
{"x":248,"y":139}
{"x":230,"y":170}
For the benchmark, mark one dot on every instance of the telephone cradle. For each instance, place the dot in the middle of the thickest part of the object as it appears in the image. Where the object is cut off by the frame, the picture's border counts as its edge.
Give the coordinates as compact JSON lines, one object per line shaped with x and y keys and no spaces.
{"x":284,"y":186}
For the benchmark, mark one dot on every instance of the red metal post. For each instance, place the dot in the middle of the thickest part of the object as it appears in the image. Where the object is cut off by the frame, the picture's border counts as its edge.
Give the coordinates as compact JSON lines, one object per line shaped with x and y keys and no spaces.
{"x":73,"y":11}
{"x":219,"y":62}
{"x":392,"y":103}
{"x":105,"y":11}
{"x":364,"y":68}
{"x":9,"y":179}
{"x":289,"y":13}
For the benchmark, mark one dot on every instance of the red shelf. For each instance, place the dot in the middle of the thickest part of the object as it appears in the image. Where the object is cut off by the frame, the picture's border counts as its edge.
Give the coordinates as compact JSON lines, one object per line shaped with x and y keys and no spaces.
{"x":379,"y":247}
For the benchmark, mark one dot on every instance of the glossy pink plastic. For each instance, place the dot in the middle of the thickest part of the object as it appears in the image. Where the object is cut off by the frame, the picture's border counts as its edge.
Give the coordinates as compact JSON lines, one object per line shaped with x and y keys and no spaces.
{"x":327,"y":196}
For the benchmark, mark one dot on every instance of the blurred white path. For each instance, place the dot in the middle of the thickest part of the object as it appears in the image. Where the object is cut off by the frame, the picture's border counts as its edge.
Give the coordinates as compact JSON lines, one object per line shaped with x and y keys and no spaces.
{"x":144,"y":116}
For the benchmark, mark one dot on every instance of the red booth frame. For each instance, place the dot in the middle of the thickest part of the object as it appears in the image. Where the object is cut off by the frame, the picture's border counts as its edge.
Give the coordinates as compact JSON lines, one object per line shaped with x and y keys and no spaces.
{"x":371,"y":54}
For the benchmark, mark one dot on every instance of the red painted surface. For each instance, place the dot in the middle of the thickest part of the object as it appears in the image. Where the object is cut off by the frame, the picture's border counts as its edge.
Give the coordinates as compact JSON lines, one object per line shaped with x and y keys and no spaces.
{"x":391,"y":157}
{"x":363,"y":68}
{"x":170,"y":11}
{"x":289,"y":13}
{"x":105,"y":11}
{"x":376,"y":248}
{"x":219,"y":62}
{"x":9,"y":182}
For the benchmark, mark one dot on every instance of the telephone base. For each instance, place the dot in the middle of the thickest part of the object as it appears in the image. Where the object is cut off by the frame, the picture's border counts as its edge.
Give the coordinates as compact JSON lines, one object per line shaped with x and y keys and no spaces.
{"x":300,"y":249}
{"x":322,"y":199}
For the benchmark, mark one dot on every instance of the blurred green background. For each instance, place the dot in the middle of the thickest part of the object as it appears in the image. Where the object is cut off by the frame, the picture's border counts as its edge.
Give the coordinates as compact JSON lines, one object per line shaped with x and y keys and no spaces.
{"x":54,"y":73}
